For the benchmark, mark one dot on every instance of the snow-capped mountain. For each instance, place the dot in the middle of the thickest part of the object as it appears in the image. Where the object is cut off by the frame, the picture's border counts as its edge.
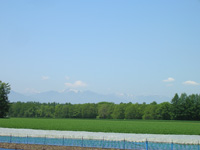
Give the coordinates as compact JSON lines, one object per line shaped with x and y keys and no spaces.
{"x":75,"y":96}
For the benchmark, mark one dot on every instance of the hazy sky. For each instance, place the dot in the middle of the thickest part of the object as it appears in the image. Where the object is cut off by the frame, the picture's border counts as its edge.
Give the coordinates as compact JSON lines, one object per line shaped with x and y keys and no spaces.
{"x":106,"y":46}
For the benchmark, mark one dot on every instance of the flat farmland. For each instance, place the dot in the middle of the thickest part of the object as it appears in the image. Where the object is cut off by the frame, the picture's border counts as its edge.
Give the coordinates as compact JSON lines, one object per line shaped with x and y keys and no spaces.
{"x":95,"y":125}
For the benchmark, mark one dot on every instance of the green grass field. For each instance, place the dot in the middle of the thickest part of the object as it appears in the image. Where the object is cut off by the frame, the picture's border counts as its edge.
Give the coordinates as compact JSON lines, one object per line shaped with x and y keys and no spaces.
{"x":120,"y":126}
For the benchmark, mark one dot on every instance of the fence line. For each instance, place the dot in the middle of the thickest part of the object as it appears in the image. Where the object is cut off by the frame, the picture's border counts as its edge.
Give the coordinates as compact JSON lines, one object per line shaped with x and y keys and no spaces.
{"x":81,"y":142}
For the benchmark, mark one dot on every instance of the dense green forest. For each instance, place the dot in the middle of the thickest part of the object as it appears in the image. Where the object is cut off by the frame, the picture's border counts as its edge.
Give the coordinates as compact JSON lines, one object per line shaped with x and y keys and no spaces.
{"x":181,"y":107}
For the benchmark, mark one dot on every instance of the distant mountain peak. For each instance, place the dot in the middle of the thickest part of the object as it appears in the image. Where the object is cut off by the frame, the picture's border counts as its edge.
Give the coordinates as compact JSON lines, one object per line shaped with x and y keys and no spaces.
{"x":70,"y":90}
{"x":77,"y":96}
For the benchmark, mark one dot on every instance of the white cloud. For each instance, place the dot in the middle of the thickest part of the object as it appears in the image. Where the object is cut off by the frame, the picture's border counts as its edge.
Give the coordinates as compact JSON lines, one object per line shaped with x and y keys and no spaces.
{"x":45,"y":78}
{"x":76,"y":84}
{"x":169,"y":79}
{"x":190,"y":83}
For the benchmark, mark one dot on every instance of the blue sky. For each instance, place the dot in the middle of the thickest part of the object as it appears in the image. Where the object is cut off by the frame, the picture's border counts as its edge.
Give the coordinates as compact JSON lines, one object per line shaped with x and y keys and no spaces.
{"x":137,"y":47}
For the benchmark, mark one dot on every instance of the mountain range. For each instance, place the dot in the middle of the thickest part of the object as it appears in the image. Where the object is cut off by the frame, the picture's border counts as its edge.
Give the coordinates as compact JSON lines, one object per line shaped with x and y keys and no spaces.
{"x":75,"y":97}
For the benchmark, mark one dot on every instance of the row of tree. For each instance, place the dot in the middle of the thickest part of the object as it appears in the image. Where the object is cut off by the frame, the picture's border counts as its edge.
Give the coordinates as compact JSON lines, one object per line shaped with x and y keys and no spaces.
{"x":181,"y":108}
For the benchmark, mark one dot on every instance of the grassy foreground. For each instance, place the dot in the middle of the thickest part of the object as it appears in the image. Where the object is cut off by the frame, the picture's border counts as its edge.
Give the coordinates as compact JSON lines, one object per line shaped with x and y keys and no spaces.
{"x":120,"y":126}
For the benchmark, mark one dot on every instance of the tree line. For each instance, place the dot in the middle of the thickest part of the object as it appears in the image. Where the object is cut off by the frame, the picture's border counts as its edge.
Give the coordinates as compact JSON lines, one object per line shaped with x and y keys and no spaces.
{"x":183,"y":107}
{"x":4,"y":102}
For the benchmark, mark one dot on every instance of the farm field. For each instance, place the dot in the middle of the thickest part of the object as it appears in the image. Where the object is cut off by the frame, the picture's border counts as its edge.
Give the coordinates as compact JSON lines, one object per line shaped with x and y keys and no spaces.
{"x":117,"y":126}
